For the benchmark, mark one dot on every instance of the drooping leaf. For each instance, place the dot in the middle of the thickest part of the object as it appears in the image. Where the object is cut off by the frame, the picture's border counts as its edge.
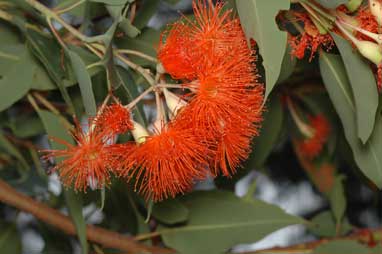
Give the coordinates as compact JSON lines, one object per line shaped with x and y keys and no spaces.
{"x":112,"y":2}
{"x":324,"y":225}
{"x":12,"y":150}
{"x":338,"y":200}
{"x":341,"y":247}
{"x":145,"y":12}
{"x":16,"y":73}
{"x":10,"y":242}
{"x":170,"y":212}
{"x":84,"y":82}
{"x":269,"y":133}
{"x":232,"y":221}
{"x":331,"y":4}
{"x":54,"y":128}
{"x":258,"y":18}
{"x":363,"y":85}
{"x":338,"y":86}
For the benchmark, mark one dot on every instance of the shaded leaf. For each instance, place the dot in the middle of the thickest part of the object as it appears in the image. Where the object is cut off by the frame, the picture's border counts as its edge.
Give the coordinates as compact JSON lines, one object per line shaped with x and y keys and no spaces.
{"x":112,"y":2}
{"x":337,"y":199}
{"x":258,"y":18}
{"x":145,"y":12}
{"x":10,"y":242}
{"x":170,"y":212}
{"x":84,"y":82}
{"x":232,"y":221}
{"x":337,"y":84}
{"x":331,"y":4}
{"x":14,"y":59}
{"x":363,"y":84}
{"x":12,"y":150}
{"x":54,"y":128}
{"x":269,"y":133}
{"x":341,"y":247}
{"x":324,"y":225}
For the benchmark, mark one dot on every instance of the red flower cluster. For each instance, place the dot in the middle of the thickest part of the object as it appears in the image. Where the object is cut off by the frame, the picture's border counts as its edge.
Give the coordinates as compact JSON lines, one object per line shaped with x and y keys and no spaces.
{"x":310,"y":40}
{"x":312,"y":146}
{"x":226,"y":106}
{"x":210,"y":135}
{"x":91,"y":160}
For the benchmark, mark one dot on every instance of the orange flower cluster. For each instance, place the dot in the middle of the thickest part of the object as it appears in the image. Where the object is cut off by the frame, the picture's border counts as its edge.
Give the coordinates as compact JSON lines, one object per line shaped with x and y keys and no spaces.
{"x":225,"y":109}
{"x":312,"y":146}
{"x":92,"y":159}
{"x":210,"y":135}
{"x":310,"y":40}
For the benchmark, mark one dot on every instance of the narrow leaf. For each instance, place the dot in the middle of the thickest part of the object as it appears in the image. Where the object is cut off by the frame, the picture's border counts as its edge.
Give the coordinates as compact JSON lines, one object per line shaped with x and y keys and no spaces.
{"x":337,"y":84}
{"x":363,"y":85}
{"x":258,"y":18}
{"x":54,"y":128}
{"x":84,"y":82}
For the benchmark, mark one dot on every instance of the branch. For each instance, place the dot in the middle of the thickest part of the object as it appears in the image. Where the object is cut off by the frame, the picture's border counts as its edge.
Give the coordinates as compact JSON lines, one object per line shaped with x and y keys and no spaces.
{"x":106,"y":238}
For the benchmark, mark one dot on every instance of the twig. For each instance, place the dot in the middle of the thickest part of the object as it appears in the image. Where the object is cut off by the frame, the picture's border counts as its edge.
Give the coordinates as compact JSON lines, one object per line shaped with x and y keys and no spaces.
{"x":106,"y":238}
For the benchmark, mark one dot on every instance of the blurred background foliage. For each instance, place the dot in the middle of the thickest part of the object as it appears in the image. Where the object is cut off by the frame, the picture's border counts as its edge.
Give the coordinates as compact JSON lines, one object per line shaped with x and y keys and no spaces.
{"x":333,"y":195}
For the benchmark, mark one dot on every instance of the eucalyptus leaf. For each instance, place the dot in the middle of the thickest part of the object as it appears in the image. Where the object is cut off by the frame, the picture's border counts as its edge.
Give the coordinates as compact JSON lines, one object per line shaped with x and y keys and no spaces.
{"x":145,"y":12}
{"x":324,"y":225}
{"x":331,"y":4}
{"x":337,"y":84}
{"x":337,"y":199}
{"x":54,"y":128}
{"x":341,"y":247}
{"x":16,"y":74}
{"x":170,"y":212}
{"x":269,"y":133}
{"x":232,"y":221}
{"x":363,"y":85}
{"x":10,"y":242}
{"x":84,"y":82}
{"x":258,"y":18}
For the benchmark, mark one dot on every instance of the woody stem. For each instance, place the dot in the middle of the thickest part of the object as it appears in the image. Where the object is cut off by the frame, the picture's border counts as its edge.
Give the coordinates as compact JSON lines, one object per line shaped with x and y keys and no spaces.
{"x":140,"y":97}
{"x":109,"y":239}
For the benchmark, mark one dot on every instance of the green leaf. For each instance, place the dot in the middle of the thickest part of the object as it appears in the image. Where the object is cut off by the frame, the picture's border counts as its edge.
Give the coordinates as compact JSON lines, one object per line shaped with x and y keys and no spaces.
{"x":22,"y":130}
{"x":219,"y":220}
{"x":337,"y":84}
{"x":112,"y":2}
{"x":363,"y":84}
{"x":74,"y":202}
{"x":10,"y":242}
{"x":12,"y":150}
{"x":54,"y":128}
{"x":170,"y":212}
{"x":258,"y":18}
{"x":84,"y":82}
{"x":331,"y":4}
{"x":146,"y":11}
{"x":323,"y":225}
{"x":145,"y":43}
{"x":49,"y":53}
{"x":269,"y":133}
{"x":16,"y":73}
{"x":132,"y":92}
{"x":341,"y":247}
{"x":287,"y":66}
{"x":172,"y":2}
{"x":337,"y":199}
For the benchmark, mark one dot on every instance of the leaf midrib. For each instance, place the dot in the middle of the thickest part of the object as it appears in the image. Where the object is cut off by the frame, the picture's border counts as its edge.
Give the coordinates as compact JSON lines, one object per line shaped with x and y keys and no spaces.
{"x":228,"y":226}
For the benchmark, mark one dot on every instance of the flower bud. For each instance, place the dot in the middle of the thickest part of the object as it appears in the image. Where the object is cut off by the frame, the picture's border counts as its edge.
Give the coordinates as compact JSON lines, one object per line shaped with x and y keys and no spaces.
{"x":174,"y":103}
{"x":376,"y":9}
{"x":353,"y":5}
{"x":139,"y":133}
{"x":370,"y":50}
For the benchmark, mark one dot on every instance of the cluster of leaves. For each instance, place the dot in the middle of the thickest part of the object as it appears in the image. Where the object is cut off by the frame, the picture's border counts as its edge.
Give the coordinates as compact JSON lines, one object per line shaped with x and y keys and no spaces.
{"x":58,"y":82}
